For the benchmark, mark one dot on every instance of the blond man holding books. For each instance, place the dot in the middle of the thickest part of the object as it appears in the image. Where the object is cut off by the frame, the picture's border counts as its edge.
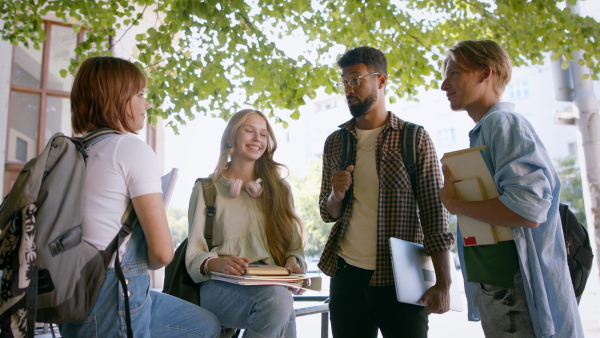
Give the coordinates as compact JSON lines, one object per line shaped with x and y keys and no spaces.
{"x":516,"y":287}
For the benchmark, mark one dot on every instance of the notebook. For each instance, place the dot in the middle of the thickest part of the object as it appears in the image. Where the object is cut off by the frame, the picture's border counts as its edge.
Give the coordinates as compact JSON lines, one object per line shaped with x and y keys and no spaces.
{"x":414,"y":273}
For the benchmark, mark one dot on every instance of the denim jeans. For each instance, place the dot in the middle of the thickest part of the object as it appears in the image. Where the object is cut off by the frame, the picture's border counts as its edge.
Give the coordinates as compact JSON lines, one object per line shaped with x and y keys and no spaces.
{"x":153,"y":314}
{"x":359,"y":310}
{"x":504,"y":311}
{"x":261,"y":310}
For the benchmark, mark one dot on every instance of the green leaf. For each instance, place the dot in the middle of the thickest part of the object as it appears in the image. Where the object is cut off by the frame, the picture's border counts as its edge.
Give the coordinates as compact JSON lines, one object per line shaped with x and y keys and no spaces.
{"x":211,"y":57}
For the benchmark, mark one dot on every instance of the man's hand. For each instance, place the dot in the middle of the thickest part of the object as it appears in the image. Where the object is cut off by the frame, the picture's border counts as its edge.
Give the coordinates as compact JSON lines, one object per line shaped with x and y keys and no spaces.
{"x":436,"y":299}
{"x":447,"y":193}
{"x":341,"y":182}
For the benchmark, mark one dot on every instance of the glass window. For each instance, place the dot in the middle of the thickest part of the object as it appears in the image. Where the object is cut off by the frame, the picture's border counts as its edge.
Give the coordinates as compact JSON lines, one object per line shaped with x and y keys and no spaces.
{"x":446,"y":136}
{"x":23,"y":127}
{"x":518,"y":90}
{"x":58,"y":117}
{"x":27,"y":67}
{"x":62,"y":50}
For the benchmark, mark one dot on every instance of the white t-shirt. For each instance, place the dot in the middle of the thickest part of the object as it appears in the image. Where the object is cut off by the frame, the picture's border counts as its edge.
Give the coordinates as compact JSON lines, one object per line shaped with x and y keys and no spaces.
{"x":357,"y":247}
{"x":118,"y":168}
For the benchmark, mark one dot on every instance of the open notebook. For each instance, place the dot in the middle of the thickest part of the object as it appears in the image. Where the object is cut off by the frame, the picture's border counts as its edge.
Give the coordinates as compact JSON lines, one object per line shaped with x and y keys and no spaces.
{"x":414,"y":274}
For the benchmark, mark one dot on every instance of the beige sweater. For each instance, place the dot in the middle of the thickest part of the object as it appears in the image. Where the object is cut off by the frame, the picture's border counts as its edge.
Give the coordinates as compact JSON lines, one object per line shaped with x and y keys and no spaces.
{"x":238,"y":230}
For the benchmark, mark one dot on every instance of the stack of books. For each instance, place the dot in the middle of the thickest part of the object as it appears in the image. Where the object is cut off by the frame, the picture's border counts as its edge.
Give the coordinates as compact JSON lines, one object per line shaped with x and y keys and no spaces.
{"x":471,"y":171}
{"x":271,"y":275}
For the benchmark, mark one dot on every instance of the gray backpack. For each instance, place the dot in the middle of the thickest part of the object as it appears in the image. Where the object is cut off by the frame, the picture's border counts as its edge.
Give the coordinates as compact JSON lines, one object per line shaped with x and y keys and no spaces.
{"x":49,"y":274}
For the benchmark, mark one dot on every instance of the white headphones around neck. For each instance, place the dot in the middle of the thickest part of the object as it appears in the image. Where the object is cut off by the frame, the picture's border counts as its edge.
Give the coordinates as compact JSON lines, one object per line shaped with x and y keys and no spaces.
{"x":253,"y":188}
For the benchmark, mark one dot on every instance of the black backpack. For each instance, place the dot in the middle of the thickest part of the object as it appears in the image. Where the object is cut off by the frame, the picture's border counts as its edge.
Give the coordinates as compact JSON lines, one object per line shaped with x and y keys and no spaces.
{"x":579,"y":250}
{"x":177,"y":280}
{"x":49,"y":274}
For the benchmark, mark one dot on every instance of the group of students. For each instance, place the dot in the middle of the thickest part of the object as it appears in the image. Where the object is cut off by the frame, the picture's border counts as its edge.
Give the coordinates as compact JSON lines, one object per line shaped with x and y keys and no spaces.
{"x":255,"y":222}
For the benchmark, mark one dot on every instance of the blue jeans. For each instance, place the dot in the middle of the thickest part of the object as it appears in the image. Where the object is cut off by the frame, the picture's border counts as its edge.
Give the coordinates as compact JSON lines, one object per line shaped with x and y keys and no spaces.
{"x":261,"y":310}
{"x":153,"y":314}
{"x":504,"y":311}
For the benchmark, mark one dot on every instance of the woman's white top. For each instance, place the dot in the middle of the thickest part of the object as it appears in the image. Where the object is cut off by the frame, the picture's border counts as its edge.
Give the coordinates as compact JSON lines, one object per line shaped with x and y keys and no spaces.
{"x":118,"y":168}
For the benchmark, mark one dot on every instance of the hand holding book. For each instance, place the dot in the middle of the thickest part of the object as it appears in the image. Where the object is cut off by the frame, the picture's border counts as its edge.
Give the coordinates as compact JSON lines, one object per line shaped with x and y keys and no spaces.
{"x":468,"y":177}
{"x":233,"y":265}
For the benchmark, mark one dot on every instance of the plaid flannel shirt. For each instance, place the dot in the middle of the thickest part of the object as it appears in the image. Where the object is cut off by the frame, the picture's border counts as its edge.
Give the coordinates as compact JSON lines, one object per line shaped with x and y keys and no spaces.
{"x":397,"y":210}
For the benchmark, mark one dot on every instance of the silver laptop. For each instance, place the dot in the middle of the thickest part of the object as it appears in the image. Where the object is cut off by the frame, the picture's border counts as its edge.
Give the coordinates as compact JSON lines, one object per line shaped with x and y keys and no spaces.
{"x":414,"y":273}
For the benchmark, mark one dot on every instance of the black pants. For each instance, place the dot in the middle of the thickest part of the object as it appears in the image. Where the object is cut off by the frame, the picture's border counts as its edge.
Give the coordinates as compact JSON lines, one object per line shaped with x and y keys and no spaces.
{"x":358,"y":310}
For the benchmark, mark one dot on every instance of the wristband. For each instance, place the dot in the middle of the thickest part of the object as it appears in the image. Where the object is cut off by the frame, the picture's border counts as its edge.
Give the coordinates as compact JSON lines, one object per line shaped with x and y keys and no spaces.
{"x":205,"y":264}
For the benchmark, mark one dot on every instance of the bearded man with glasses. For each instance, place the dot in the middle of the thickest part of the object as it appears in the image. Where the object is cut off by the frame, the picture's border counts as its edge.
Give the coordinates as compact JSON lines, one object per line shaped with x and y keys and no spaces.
{"x":370,"y":198}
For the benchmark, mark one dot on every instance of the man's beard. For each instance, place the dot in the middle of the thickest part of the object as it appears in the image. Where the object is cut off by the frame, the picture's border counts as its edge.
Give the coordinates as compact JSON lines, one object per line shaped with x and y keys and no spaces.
{"x":360,"y":109}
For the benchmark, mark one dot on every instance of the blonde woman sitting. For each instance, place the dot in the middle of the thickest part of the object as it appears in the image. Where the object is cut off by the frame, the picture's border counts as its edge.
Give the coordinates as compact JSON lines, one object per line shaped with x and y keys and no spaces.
{"x":254,"y":222}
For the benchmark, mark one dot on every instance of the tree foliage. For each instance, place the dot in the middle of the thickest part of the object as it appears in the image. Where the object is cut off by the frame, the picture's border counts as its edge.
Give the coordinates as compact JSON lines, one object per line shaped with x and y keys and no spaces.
{"x":178,"y":223}
{"x":571,"y":191}
{"x":213,"y":56}
{"x":306,"y":201}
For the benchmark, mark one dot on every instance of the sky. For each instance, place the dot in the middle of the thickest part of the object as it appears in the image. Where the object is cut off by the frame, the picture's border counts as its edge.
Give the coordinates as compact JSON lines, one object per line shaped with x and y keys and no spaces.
{"x":194,"y":152}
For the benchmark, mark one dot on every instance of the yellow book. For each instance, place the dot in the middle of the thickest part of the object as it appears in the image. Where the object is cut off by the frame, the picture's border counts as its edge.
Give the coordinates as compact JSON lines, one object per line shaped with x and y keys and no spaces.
{"x":475,"y":164}
{"x":266,"y":270}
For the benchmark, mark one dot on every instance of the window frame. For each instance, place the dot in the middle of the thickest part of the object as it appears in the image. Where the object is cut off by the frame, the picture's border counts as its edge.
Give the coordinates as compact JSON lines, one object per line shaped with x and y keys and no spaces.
{"x":43,"y":91}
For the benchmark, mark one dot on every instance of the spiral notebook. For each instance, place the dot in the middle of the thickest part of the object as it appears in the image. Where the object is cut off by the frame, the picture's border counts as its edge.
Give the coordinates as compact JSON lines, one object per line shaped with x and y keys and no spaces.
{"x":414,"y":273}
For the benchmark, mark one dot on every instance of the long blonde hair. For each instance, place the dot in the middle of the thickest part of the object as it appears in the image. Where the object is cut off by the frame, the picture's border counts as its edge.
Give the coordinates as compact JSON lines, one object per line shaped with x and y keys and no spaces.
{"x":275,"y":201}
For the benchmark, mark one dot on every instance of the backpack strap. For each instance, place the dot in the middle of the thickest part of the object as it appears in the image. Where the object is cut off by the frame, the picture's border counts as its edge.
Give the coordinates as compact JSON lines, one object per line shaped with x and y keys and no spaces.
{"x":128,"y":221}
{"x":409,"y":152}
{"x":347,"y":151}
{"x":85,"y":142}
{"x":96,"y":136}
{"x":209,"y":192}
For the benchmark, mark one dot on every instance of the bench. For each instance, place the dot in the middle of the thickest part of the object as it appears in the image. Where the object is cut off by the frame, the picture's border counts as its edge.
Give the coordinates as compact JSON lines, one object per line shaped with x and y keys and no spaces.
{"x":323,"y":309}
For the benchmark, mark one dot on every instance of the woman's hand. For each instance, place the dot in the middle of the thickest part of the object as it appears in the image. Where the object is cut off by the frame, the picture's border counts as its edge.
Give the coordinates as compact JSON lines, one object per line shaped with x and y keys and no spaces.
{"x":233,"y":265}
{"x":292,"y":264}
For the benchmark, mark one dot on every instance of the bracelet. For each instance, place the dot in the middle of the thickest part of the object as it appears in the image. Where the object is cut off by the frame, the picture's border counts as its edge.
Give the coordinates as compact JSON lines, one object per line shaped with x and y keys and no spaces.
{"x":205,"y":264}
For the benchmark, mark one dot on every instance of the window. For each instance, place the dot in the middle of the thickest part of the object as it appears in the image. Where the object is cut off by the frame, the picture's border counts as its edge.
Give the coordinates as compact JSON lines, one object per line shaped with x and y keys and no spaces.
{"x":331,"y":105}
{"x":39,"y":97}
{"x":572,"y":146}
{"x":446,"y":136}
{"x":518,"y":90}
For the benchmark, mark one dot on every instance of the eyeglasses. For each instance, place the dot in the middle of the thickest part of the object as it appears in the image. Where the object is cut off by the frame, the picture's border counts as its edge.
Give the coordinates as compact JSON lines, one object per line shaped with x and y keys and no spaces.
{"x":352,"y":83}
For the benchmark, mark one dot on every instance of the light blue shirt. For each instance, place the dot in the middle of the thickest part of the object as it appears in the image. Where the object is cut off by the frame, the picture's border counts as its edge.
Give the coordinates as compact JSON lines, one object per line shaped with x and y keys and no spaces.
{"x":529,"y":186}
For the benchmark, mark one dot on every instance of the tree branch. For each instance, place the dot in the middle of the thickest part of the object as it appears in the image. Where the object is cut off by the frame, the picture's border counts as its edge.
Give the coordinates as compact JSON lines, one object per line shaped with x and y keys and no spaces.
{"x":256,"y":32}
{"x":131,"y":26}
{"x":412,"y":36}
